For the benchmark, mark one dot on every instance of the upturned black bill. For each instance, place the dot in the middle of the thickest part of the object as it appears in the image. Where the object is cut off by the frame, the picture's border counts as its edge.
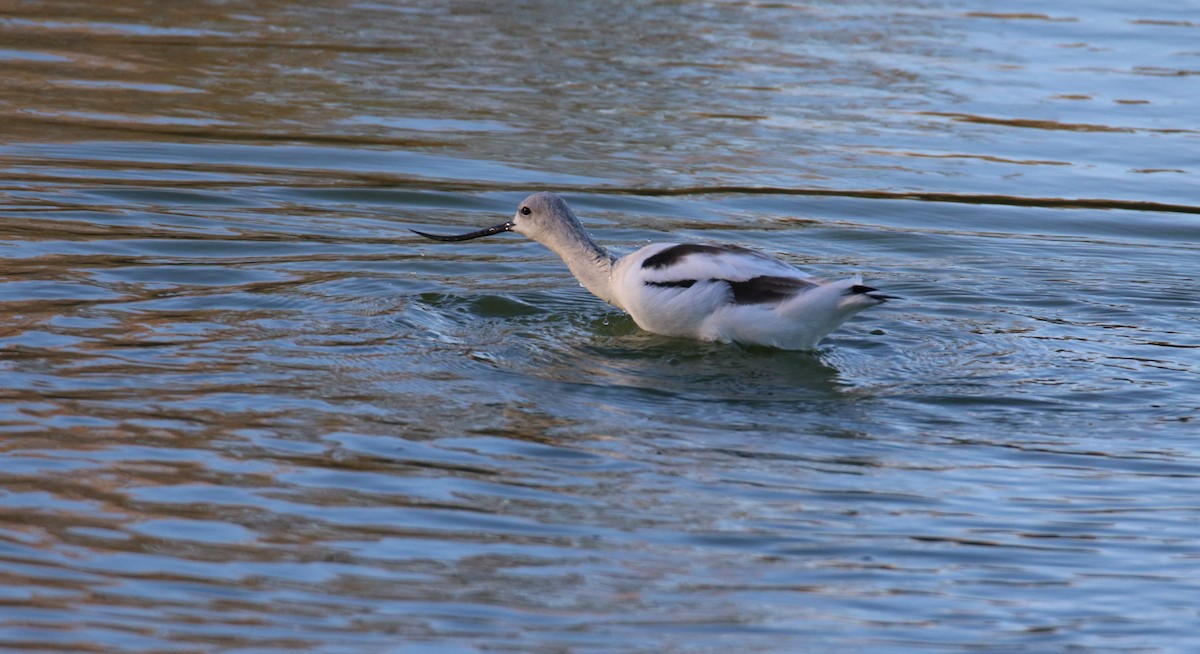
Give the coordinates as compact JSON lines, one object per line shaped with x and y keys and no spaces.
{"x":505,"y":227}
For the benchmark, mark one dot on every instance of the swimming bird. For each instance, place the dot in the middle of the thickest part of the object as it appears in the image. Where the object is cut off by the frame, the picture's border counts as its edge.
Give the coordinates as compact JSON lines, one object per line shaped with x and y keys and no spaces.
{"x":711,"y":292}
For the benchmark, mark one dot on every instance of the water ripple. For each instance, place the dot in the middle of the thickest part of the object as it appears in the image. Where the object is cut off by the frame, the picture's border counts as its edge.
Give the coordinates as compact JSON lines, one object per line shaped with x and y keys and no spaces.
{"x":243,"y":409}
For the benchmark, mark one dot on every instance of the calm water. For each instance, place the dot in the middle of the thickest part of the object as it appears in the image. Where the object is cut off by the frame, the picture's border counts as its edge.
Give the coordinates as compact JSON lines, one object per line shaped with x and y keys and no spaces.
{"x":242,"y":409}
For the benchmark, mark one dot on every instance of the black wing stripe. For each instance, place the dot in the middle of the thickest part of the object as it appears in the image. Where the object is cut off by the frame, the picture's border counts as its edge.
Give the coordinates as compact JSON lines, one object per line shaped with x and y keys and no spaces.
{"x":674,"y":254}
{"x":680,"y":283}
{"x":767,"y":289}
{"x":764,"y":289}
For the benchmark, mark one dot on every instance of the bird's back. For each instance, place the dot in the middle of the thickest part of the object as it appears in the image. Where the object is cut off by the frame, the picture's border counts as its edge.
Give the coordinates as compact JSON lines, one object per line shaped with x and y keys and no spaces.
{"x":730,"y":293}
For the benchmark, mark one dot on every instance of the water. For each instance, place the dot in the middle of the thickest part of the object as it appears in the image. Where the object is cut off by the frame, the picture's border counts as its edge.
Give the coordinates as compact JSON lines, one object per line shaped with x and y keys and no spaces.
{"x":245,"y":410}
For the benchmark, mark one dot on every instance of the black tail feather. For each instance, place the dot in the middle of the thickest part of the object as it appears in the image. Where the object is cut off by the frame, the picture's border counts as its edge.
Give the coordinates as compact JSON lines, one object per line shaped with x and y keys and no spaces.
{"x":869,"y":291}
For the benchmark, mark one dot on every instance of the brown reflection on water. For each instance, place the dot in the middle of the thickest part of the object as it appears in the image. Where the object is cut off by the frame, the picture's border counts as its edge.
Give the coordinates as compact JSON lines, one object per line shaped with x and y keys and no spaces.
{"x":156,"y":65}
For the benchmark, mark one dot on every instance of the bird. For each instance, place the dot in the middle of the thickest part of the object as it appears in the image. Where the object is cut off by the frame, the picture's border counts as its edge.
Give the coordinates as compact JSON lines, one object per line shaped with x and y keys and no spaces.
{"x":703,"y":291}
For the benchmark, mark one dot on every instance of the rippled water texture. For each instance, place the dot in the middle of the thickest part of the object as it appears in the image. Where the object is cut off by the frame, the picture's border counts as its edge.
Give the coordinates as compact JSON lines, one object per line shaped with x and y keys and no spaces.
{"x":243,"y":409}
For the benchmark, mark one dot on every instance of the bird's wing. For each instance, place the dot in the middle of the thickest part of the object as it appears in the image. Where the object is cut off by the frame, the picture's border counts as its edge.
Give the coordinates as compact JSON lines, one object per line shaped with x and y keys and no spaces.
{"x":697,"y":261}
{"x":752,"y":277}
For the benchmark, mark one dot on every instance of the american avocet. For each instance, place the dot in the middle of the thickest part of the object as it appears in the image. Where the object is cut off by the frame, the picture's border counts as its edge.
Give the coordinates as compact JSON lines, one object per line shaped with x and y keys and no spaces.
{"x":710,"y":292}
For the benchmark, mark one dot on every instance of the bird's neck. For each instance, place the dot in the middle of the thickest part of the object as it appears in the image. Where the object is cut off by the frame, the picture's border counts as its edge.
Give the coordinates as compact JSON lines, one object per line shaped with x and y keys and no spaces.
{"x":590,"y":263}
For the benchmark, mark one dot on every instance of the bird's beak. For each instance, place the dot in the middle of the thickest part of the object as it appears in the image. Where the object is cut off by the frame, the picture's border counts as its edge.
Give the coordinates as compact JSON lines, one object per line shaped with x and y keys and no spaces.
{"x":505,"y":227}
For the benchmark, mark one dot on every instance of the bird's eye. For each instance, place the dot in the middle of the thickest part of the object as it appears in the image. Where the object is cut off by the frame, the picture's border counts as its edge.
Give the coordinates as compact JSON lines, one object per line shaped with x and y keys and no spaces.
{"x":525,"y":211}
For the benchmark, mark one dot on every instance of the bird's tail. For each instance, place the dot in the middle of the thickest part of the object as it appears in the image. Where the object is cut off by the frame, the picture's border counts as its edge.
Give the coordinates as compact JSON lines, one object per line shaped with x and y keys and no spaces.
{"x":826,"y":307}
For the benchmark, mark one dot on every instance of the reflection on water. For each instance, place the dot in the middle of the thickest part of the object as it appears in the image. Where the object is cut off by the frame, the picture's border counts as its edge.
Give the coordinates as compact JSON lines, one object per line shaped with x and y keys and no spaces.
{"x":242,"y":409}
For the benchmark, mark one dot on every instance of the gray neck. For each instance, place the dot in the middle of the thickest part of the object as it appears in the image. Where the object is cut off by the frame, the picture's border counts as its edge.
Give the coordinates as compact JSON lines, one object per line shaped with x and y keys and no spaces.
{"x":589,"y":261}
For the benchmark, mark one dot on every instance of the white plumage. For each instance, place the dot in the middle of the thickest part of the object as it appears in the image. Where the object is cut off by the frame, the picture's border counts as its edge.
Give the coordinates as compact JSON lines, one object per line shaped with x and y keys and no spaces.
{"x":710,"y":292}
